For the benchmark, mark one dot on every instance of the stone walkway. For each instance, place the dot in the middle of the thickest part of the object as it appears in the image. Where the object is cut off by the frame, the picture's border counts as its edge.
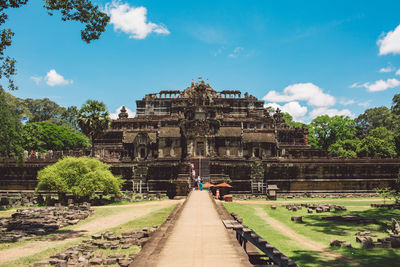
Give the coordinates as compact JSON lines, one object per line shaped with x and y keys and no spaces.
{"x":199,"y":237}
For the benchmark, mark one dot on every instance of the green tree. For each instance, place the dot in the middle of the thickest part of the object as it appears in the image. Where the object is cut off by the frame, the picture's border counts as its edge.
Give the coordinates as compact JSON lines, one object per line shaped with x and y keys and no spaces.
{"x":82,"y":11}
{"x":43,"y":110}
{"x":81,"y":177}
{"x":37,"y":110}
{"x":290,"y":122}
{"x":379,"y":143}
{"x":42,"y":136}
{"x":396,"y":104}
{"x":373,"y":118}
{"x":325,"y":131}
{"x":10,"y":130}
{"x":345,"y":148}
{"x":18,"y":107}
{"x":396,"y":139}
{"x":69,"y":118}
{"x":93,"y":120}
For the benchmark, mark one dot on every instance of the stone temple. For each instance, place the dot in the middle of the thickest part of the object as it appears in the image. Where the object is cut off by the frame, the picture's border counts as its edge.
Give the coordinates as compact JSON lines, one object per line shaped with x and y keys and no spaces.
{"x":227,"y":137}
{"x":222,"y":136}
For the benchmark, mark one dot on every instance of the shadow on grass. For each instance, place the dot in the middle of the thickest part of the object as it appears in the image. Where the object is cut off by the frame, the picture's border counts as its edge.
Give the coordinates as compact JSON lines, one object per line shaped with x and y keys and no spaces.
{"x":340,"y":228}
{"x":373,"y":257}
{"x":365,"y":257}
{"x":310,"y":258}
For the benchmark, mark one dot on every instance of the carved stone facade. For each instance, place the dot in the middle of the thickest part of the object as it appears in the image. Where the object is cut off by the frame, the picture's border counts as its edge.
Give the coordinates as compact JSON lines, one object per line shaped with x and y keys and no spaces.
{"x":201,"y":126}
{"x":201,"y":122}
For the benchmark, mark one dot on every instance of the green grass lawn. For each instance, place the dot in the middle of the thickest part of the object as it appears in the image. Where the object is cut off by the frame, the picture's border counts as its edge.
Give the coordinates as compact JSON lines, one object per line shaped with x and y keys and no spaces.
{"x":322,"y":231}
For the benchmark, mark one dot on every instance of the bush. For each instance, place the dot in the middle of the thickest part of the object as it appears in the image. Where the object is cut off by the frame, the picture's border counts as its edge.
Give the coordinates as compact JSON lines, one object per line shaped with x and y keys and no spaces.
{"x":81,"y":177}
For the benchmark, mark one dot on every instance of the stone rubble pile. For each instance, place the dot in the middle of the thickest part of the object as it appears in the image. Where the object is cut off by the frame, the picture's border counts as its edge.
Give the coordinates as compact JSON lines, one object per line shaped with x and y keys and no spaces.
{"x":27,"y":199}
{"x":365,"y":238}
{"x":319,"y":208}
{"x":87,"y":254}
{"x":26,"y":223}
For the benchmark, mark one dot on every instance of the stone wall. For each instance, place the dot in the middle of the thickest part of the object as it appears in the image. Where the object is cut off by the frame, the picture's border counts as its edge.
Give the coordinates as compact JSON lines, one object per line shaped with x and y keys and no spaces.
{"x":331,"y":174}
{"x":314,"y":175}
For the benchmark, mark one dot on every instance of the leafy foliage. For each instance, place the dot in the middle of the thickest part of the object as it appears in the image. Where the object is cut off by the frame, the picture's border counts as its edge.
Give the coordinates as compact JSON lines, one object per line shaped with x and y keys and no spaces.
{"x":37,"y":110}
{"x":42,"y":109}
{"x":42,"y":136}
{"x":345,"y":148}
{"x":396,"y":104}
{"x":10,"y":129}
{"x":75,"y":10}
{"x":373,"y":118}
{"x":380,"y":143}
{"x":93,"y":120}
{"x":81,"y":177}
{"x":290,"y":122}
{"x":325,"y":131}
{"x":17,"y":106}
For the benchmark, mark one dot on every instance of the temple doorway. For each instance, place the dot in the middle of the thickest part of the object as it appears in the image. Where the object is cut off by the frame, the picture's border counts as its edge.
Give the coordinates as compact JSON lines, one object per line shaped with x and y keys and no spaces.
{"x":200,"y":149}
{"x":202,"y":168}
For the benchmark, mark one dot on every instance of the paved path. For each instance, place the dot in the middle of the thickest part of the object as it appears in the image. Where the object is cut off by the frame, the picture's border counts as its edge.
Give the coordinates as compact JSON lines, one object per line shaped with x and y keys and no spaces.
{"x":199,"y":238}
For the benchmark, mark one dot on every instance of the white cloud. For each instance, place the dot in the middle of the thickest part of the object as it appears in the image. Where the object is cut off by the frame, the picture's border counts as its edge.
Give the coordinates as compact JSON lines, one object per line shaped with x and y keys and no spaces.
{"x":36,"y":79}
{"x":387,"y":69}
{"x":330,"y":112}
{"x":293,"y":108}
{"x":364,"y":104}
{"x":346,"y":102}
{"x":236,"y":52}
{"x":398,"y":72}
{"x":355,"y":85}
{"x":302,"y":91}
{"x":390,"y":43}
{"x":53,"y":79}
{"x":114,"y":115}
{"x":132,"y":20}
{"x":381,"y":85}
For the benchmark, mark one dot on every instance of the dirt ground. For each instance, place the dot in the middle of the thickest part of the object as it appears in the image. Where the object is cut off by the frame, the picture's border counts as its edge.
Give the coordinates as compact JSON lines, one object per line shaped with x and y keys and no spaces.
{"x":132,"y":212}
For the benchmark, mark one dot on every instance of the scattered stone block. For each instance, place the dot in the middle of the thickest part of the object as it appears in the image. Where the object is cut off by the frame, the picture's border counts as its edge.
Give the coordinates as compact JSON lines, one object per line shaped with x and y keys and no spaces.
{"x":366,"y":242}
{"x":336,"y":243}
{"x":124,"y":263}
{"x":96,"y":237}
{"x":346,"y":245}
{"x":96,"y":261}
{"x":110,"y":261}
{"x":395,"y":241}
{"x":297,"y":218}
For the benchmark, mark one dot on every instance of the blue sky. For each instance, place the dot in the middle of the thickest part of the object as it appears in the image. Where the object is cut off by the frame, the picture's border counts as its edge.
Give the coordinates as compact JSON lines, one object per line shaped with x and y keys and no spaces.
{"x":308,"y":57}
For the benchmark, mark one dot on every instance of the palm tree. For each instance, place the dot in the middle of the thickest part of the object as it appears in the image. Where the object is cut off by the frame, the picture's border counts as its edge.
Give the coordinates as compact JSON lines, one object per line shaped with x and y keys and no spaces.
{"x":93,"y":120}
